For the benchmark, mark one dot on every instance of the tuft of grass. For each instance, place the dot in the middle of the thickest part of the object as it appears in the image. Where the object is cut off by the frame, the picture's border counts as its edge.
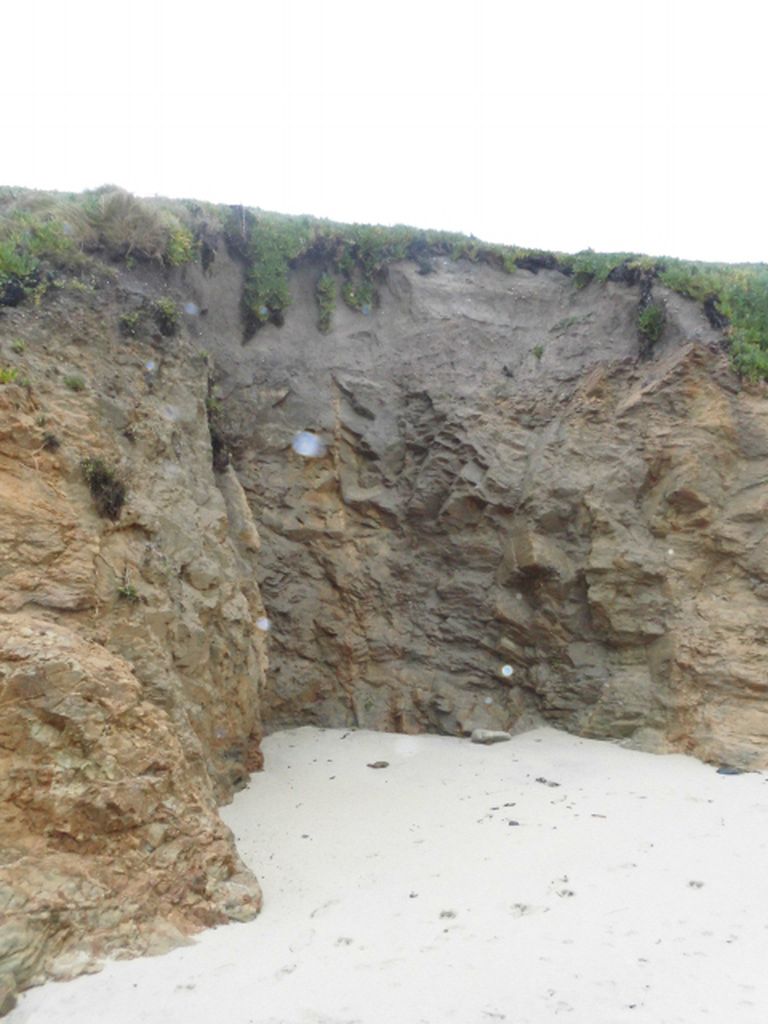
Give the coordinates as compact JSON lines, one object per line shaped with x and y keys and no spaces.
{"x":107,"y":490}
{"x":74,"y":382}
{"x":127,"y":592}
{"x":124,"y":227}
{"x":18,"y":346}
{"x":538,"y":352}
{"x":325,"y":291}
{"x":8,"y":375}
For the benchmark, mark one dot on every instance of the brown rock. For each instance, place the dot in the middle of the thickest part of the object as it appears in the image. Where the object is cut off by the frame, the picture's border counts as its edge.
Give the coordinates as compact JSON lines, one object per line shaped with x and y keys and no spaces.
{"x":506,"y":482}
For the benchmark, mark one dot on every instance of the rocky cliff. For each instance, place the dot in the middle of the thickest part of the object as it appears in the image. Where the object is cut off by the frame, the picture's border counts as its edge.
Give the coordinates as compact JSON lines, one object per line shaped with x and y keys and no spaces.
{"x":130,"y":667}
{"x":508,"y":482}
{"x":527,"y":466}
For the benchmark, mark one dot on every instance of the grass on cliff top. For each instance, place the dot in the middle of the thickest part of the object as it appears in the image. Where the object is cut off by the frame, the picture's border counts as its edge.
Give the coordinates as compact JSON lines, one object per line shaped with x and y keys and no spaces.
{"x":43,"y":234}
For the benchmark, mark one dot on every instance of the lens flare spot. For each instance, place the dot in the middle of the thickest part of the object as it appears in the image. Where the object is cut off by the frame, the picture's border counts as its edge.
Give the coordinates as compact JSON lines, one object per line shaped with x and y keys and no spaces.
{"x":191,"y":308}
{"x":507,"y":671}
{"x":309,"y":445}
{"x":263,"y":624}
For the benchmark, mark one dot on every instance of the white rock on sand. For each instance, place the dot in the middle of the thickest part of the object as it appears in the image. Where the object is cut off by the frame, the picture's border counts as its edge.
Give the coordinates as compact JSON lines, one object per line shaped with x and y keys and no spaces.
{"x":542,"y":878}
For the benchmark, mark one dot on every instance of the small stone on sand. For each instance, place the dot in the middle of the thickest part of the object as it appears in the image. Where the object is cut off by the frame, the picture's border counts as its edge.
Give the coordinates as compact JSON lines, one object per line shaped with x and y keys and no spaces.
{"x":488,"y":736}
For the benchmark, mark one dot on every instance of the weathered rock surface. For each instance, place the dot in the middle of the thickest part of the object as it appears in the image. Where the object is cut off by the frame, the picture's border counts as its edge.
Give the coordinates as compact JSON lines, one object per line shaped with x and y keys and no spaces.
{"x":130,"y":668}
{"x":507,"y":481}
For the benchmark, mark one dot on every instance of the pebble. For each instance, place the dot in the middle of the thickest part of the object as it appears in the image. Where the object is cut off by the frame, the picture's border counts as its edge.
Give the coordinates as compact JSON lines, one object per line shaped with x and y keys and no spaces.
{"x":488,"y":736}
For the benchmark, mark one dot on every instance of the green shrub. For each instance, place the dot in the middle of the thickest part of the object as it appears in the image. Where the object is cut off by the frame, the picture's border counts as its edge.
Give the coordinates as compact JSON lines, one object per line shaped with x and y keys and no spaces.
{"x":74,"y":382}
{"x":272,"y":244}
{"x":107,"y":490}
{"x":359,"y":295}
{"x":325,"y":292}
{"x":129,"y":324}
{"x":538,"y":352}
{"x":8,"y":375}
{"x":650,"y":323}
{"x":181,"y":247}
{"x":18,"y":346}
{"x":166,"y":315}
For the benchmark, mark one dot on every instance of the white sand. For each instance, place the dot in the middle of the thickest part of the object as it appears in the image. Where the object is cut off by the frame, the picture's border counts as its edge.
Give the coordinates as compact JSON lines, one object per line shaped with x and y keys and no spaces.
{"x":636,"y":890}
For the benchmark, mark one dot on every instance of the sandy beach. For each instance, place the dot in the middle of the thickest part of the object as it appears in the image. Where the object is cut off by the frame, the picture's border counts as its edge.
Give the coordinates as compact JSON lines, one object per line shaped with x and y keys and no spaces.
{"x":547,"y":877}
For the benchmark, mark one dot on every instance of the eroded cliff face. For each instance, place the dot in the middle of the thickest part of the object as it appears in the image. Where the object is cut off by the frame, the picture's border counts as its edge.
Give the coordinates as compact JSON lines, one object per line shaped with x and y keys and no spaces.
{"x":511,"y":479}
{"x":130,"y":667}
{"x":508,"y":482}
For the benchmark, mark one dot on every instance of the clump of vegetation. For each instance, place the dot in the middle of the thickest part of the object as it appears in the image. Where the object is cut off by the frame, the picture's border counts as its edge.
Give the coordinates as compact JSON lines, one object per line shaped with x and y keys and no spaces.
{"x":181,"y":247}
{"x":734,"y":297}
{"x":51,"y":443}
{"x":270,"y":245}
{"x":48,"y":239}
{"x":126,"y":227}
{"x":18,"y":346}
{"x":74,"y":382}
{"x":45,"y":233}
{"x":166,"y":315}
{"x":129,"y":324}
{"x":359,"y":295}
{"x":107,"y":490}
{"x":325,"y":291}
{"x":126,"y":591}
{"x":650,"y":324}
{"x":12,"y":375}
{"x":538,"y":352}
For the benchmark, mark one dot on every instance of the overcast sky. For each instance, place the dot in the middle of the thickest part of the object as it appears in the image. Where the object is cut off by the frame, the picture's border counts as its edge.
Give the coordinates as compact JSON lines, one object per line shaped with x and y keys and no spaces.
{"x":566,"y":125}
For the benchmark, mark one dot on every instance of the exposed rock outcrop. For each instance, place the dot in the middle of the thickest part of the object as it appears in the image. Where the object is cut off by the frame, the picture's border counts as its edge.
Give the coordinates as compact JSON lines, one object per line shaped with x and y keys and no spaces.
{"x":517,"y":471}
{"x":130,"y":667}
{"x":508,"y":481}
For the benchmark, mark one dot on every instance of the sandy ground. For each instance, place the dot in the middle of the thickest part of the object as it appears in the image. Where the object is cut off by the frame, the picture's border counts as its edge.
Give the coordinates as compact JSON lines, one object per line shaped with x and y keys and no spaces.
{"x":548,"y":877}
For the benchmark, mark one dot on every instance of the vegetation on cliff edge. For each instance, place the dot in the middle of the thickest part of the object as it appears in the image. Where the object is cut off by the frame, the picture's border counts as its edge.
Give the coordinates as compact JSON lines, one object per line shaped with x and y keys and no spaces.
{"x":49,"y":239}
